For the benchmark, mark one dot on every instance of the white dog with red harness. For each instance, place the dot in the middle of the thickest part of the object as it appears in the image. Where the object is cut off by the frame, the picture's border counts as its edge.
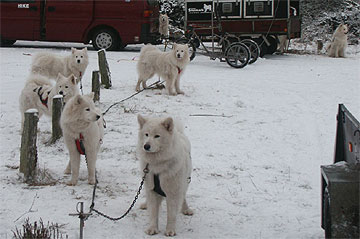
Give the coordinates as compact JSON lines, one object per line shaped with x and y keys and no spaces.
{"x":168,"y":65}
{"x":83,"y":129}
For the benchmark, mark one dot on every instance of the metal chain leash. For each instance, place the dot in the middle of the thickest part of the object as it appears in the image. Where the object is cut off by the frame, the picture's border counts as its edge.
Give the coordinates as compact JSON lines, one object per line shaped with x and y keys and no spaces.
{"x":146,"y":171}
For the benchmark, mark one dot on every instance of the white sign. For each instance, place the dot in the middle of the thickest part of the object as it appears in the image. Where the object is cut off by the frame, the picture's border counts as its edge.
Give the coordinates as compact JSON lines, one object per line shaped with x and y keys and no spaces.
{"x":23,"y":5}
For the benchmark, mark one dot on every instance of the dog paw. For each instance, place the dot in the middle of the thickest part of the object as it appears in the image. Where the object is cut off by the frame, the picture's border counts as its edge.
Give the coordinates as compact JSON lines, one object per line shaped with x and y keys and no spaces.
{"x":181,"y":92}
{"x":170,"y":232}
{"x":67,"y":171}
{"x":71,"y":183}
{"x":188,"y":212}
{"x":91,"y":181}
{"x":143,"y":206}
{"x":152,"y":231}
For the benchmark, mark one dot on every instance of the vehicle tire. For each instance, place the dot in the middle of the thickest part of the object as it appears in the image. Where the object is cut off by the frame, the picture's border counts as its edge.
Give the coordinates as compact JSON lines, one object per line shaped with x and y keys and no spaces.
{"x":253,"y":48}
{"x":237,"y":55}
{"x":192,"y":48}
{"x":4,"y":42}
{"x":262,"y":44}
{"x":273,"y":45}
{"x":106,"y":39}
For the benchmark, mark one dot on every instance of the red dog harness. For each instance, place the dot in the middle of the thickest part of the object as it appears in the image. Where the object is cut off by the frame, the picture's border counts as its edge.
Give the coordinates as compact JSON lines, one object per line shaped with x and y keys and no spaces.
{"x":44,"y":102}
{"x":80,"y":145}
{"x":179,"y":70}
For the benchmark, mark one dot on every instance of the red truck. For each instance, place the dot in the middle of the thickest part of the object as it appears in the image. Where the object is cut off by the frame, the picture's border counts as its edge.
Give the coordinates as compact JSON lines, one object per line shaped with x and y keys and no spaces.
{"x":107,"y":24}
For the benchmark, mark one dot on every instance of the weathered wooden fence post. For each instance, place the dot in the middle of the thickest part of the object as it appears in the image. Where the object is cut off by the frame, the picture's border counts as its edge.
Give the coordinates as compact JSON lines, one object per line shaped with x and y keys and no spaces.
{"x":57,"y":107}
{"x":28,"y":150}
{"x":320,"y":46}
{"x":96,"y":85}
{"x":104,"y":69}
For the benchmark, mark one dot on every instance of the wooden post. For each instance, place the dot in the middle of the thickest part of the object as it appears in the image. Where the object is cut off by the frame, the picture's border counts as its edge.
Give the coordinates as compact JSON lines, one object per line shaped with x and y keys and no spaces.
{"x":96,"y":85}
{"x":28,"y":150}
{"x":57,"y":107}
{"x":104,"y":69}
{"x":320,"y":46}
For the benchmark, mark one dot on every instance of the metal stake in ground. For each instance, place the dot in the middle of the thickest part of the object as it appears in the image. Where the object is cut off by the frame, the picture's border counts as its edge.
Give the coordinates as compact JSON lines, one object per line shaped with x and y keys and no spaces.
{"x":28,"y":150}
{"x":83,"y":216}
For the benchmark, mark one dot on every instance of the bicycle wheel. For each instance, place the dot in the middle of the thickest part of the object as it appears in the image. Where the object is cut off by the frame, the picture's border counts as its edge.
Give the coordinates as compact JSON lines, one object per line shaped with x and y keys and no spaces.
{"x":237,"y":55}
{"x":192,"y":48}
{"x":253,"y":48}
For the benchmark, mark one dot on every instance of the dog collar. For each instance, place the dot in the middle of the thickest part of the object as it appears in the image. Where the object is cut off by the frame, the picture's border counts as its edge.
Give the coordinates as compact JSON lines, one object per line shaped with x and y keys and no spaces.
{"x":80,"y":145}
{"x":44,"y":102}
{"x":179,"y":70}
{"x":157,"y":187}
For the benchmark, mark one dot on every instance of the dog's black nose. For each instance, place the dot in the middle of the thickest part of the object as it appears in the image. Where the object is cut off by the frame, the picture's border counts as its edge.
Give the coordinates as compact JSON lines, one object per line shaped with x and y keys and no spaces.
{"x":61,"y":92}
{"x":97,"y":117}
{"x":147,"y":147}
{"x":78,"y":61}
{"x":178,"y":56}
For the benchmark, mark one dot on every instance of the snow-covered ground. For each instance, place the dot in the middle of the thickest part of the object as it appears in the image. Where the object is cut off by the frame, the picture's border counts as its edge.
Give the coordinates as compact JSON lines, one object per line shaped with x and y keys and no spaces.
{"x":256,"y":157}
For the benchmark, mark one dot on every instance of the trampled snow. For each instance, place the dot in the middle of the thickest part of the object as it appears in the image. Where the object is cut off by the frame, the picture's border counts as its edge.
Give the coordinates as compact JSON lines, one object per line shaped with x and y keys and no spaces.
{"x":258,"y":134}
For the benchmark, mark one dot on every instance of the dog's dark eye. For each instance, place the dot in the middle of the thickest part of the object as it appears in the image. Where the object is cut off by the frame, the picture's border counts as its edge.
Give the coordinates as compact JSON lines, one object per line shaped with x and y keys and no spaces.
{"x":157,"y":136}
{"x":146,"y":134}
{"x":66,"y":86}
{"x":87,"y":109}
{"x":81,"y":56}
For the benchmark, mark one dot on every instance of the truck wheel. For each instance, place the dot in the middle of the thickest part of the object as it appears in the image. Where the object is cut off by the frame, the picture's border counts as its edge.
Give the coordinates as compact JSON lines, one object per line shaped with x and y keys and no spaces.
{"x":4,"y":42}
{"x":106,"y":39}
{"x":273,"y":45}
{"x":263,"y":47}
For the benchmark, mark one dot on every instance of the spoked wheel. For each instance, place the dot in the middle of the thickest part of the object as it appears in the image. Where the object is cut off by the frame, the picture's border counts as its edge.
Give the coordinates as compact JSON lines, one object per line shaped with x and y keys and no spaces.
{"x":237,"y":55}
{"x":253,"y":48}
{"x":191,"y":45}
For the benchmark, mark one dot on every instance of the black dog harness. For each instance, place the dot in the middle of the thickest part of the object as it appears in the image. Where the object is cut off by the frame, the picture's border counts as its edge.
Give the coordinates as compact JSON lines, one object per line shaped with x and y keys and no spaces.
{"x":157,"y":187}
{"x":43,"y":101}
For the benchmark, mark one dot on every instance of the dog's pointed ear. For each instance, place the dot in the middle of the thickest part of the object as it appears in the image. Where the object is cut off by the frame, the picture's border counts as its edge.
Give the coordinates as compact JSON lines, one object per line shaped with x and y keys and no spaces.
{"x":73,"y":79}
{"x":59,"y":76}
{"x":73,"y":50}
{"x":175,"y":46}
{"x":78,"y":99}
{"x":85,"y":49}
{"x":168,"y":123}
{"x":141,"y":121}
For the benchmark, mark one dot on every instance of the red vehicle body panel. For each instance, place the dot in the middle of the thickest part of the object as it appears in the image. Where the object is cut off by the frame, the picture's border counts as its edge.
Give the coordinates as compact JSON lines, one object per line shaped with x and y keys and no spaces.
{"x":74,"y":21}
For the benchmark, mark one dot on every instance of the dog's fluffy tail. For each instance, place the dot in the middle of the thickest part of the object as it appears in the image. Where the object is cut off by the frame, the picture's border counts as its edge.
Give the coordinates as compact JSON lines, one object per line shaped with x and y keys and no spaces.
{"x":39,"y":80}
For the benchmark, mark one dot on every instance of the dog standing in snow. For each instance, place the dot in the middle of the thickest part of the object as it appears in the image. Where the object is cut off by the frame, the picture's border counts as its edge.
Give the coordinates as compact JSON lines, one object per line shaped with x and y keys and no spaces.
{"x":168,"y":65}
{"x":164,"y":25}
{"x":50,"y":65}
{"x":163,"y":146}
{"x":338,"y":42}
{"x":83,"y":130}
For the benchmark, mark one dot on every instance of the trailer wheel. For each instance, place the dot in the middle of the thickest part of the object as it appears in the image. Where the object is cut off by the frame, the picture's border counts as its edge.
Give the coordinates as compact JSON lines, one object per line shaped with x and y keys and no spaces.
{"x":106,"y":39}
{"x":192,"y":48}
{"x":253,"y":48}
{"x":237,"y":55}
{"x":262,"y":45}
{"x":273,"y":45}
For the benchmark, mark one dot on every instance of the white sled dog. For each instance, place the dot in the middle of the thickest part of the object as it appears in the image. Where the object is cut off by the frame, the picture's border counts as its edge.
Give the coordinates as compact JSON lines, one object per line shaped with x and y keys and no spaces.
{"x":83,"y":130}
{"x":163,"y":146}
{"x":50,"y":65}
{"x":164,"y":25}
{"x":38,"y":93}
{"x":338,"y":42}
{"x":168,"y":65}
